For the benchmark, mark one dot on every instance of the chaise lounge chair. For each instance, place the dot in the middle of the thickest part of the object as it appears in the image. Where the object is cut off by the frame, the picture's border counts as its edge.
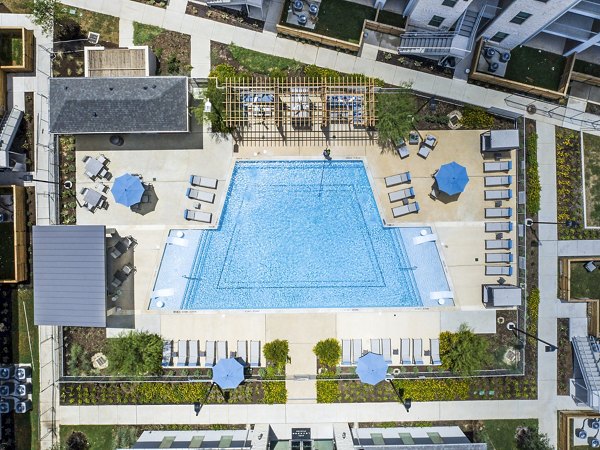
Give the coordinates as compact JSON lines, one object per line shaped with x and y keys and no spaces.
{"x":497,"y":212}
{"x":193,"y":356}
{"x":424,"y":150}
{"x":498,"y":181}
{"x":198,"y":216}
{"x":403,"y":210}
{"x":221,"y":350}
{"x":498,"y":258}
{"x":501,"y":194}
{"x":254,"y":353}
{"x":498,"y":270}
{"x":203,"y":196}
{"x":210,"y":354}
{"x":395,"y":180}
{"x":182,"y":354}
{"x":405,"y":349}
{"x":498,"y":244}
{"x":210,"y":183}
{"x":242,"y":351}
{"x":376,"y":346}
{"x":386,"y":345}
{"x":167,"y":352}
{"x":498,"y":227}
{"x":402,"y":194}
{"x":402,"y":150}
{"x":434,"y":346}
{"x":346,"y":352}
{"x":418,"y":351}
{"x":497,"y":166}
{"x":356,"y":350}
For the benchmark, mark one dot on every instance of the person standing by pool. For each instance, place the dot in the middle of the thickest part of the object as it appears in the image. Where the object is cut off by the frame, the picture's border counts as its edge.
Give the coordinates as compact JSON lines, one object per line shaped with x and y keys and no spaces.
{"x":327,"y":154}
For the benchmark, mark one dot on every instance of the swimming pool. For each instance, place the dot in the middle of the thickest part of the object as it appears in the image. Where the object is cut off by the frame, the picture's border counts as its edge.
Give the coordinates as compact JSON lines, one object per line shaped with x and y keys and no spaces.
{"x":298,"y":234}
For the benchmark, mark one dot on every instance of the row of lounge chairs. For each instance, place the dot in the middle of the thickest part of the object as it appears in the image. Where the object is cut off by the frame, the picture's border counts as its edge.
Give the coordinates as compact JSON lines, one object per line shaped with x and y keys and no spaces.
{"x":188,"y":353}
{"x":201,"y":196}
{"x":495,"y":213}
{"x":401,"y":195}
{"x":497,"y":166}
{"x":352,"y":350}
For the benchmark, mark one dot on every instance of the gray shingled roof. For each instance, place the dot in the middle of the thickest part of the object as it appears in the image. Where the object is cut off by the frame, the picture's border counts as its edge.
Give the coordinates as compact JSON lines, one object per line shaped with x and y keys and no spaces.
{"x":118,"y":105}
{"x":69,"y":273}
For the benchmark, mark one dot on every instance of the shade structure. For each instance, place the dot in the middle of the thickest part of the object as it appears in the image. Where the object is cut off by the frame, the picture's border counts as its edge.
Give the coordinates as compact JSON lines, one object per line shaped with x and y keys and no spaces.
{"x":452,"y":178}
{"x":228,"y":373}
{"x":371,"y":368}
{"x":127,"y":190}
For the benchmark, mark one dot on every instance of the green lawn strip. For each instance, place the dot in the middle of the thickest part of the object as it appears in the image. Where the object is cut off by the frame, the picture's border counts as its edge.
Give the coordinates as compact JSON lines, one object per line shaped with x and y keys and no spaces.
{"x":143,"y":34}
{"x":584,"y":284}
{"x":17,"y":6}
{"x":591,"y":149}
{"x":7,"y":253}
{"x":587,"y":68}
{"x":260,"y":62}
{"x":26,"y":425}
{"x":500,"y":434}
{"x":107,"y":26}
{"x":390,"y":18}
{"x":535,"y":67}
{"x":100,"y":437}
{"x":343,"y":20}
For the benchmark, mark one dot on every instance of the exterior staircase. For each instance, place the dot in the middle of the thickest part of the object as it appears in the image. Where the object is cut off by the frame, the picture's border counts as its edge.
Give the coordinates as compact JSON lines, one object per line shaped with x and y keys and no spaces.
{"x":588,"y":355}
{"x":468,"y":23}
{"x":431,"y":44}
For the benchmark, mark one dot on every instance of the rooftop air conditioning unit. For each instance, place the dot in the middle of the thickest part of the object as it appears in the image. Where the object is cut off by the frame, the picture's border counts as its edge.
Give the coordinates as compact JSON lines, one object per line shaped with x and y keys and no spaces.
{"x":93,"y":38}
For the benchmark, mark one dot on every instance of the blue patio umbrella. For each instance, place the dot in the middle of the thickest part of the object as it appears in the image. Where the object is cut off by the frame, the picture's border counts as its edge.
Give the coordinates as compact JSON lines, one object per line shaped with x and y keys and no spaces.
{"x":371,"y":368}
{"x":452,"y":178}
{"x":228,"y":373}
{"x":127,"y":190}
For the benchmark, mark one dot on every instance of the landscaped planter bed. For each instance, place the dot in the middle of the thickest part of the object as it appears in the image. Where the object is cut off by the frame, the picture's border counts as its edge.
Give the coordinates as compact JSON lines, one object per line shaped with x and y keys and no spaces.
{"x":414,"y":63}
{"x":564,"y":358}
{"x":172,"y":49}
{"x":68,"y":200}
{"x":223,"y":15}
{"x":591,"y":159}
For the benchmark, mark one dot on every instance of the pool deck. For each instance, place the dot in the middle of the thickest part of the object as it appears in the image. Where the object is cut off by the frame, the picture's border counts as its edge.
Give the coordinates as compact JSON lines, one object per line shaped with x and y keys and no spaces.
{"x":459,"y":225}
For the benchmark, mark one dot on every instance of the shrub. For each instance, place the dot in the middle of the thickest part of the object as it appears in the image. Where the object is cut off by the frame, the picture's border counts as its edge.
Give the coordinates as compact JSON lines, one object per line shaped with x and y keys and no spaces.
{"x":476,"y":118}
{"x":274,"y":392}
{"x":277,"y":73}
{"x":328,"y":391}
{"x":463,"y":352}
{"x":78,"y":361}
{"x":77,"y":441}
{"x":533,"y":305}
{"x":394,"y":116}
{"x":313,"y":71}
{"x":428,"y":390}
{"x":277,"y":353}
{"x":328,"y":351}
{"x":135,"y":353}
{"x":143,"y":34}
{"x":222,"y":72}
{"x":534,"y":187}
{"x":529,"y":438}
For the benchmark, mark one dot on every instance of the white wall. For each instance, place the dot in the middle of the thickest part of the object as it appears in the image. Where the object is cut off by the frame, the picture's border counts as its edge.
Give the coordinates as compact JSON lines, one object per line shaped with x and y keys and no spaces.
{"x":424,"y":10}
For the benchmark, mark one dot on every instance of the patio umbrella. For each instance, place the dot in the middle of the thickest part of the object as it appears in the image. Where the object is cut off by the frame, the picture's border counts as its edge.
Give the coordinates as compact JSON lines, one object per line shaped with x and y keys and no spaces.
{"x":127,"y":190}
{"x":228,"y":373}
{"x":371,"y":368}
{"x":452,"y":178}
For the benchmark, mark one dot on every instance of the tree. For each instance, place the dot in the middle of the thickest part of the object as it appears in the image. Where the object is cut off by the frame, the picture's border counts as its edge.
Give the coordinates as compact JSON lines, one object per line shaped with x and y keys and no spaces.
{"x":530,"y":438}
{"x":45,"y":13}
{"x":463,"y":352}
{"x":277,"y":353}
{"x":77,"y":441}
{"x":394,"y":115}
{"x":328,"y":351}
{"x":135,"y":353}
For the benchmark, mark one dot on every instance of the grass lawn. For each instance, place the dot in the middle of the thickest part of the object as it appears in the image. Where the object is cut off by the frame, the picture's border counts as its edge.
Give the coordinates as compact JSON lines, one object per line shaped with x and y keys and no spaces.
{"x":390,"y":18}
{"x":535,"y":67}
{"x":107,"y":26}
{"x":261,"y":62}
{"x":172,"y":49}
{"x":7,"y":253}
{"x":500,"y":434}
{"x":11,"y":50}
{"x":584,"y":284}
{"x":142,"y":33}
{"x":587,"y":68}
{"x":17,"y":6}
{"x":100,"y":437}
{"x":591,"y":155}
{"x":26,"y":425}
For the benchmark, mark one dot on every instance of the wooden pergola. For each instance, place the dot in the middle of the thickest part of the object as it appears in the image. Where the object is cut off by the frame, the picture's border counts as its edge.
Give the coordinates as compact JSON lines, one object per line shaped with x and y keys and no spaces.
{"x":300,"y":110}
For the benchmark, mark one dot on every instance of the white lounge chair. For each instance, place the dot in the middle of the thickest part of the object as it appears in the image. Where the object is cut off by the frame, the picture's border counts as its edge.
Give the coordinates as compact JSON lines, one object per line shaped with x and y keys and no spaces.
{"x":210,"y":354}
{"x":198,"y":216}
{"x":242,"y":351}
{"x":500,"y":194}
{"x":221,"y":350}
{"x":254,"y":353}
{"x":182,"y":354}
{"x":403,"y":210}
{"x":402,"y":194}
{"x":405,"y":350}
{"x":498,"y":181}
{"x":193,"y":356}
{"x":203,"y":196}
{"x":356,"y":350}
{"x":498,"y":227}
{"x":497,"y":212}
{"x":395,"y":180}
{"x":346,"y":352}
{"x":498,"y":258}
{"x":402,"y":150}
{"x":167,"y":352}
{"x":434,"y":347}
{"x":424,"y":151}
{"x":418,"y":351}
{"x":386,"y":345}
{"x":497,"y":166}
{"x":430,"y":141}
{"x":210,"y":183}
{"x":498,"y":244}
{"x":498,"y":270}
{"x":376,"y":346}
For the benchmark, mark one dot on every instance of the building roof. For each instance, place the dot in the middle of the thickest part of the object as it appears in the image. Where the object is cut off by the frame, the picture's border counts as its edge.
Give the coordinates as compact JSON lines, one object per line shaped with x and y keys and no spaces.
{"x":116,"y":62}
{"x":118,"y":105}
{"x":69,"y":269}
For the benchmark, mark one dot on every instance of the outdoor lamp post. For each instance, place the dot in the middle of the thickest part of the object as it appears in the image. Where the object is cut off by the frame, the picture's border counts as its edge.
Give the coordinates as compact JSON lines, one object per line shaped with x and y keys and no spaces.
{"x":567,"y":223}
{"x":549,"y":347}
{"x":199,"y":404}
{"x":406,"y":402}
{"x":28,"y":177}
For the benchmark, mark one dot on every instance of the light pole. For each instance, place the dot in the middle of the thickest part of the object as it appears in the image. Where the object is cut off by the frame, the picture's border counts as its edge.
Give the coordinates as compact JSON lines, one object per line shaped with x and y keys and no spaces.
{"x":199,"y":404}
{"x":407,"y":402}
{"x":549,"y":347}
{"x":567,"y":223}
{"x":67,"y":184}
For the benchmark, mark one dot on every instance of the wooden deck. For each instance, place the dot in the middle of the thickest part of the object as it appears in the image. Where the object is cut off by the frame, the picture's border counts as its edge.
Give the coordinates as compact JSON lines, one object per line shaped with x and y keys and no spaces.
{"x":117,"y":62}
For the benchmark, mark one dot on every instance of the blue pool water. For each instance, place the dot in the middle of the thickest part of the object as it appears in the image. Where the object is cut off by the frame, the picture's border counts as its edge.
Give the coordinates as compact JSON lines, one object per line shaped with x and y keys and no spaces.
{"x":299,"y":234}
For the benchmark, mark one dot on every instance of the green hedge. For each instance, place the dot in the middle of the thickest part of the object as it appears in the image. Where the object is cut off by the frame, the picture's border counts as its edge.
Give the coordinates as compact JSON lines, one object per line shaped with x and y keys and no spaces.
{"x":328,"y":391}
{"x":534,"y":187}
{"x":533,"y":305}
{"x":476,"y":118}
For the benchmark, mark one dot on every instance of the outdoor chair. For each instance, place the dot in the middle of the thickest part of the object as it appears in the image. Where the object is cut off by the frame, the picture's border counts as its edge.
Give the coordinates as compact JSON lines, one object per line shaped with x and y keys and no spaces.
{"x":83,"y":191}
{"x":403,"y":210}
{"x":497,"y":166}
{"x":418,"y":351}
{"x":221,"y":350}
{"x":210,"y":183}
{"x":90,"y":175}
{"x":498,"y":227}
{"x":254,"y":353}
{"x":498,"y":258}
{"x":498,"y":212}
{"x":86,"y":158}
{"x":203,"y":196}
{"x":210,"y":354}
{"x":433,"y":194}
{"x":103,"y":160}
{"x":395,"y":180}
{"x":589,"y":266}
{"x":182,"y":354}
{"x":498,"y":181}
{"x":376,"y":346}
{"x":424,"y":150}
{"x":346,"y":352}
{"x":402,"y":150}
{"x":498,"y":270}
{"x":356,"y":350}
{"x":115,"y":252}
{"x":430,"y":141}
{"x":193,"y":356}
{"x":145,"y":198}
{"x":386,"y":349}
{"x":166,"y":354}
{"x":498,"y":194}
{"x":242,"y":351}
{"x":434,"y":346}
{"x":402,"y":194}
{"x":405,"y":351}
{"x":498,"y":244}
{"x":198,"y":216}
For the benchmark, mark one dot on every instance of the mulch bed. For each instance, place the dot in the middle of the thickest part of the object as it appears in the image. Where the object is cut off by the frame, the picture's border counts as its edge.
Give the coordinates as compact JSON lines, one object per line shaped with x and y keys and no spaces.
{"x":157,"y":3}
{"x":564,"y":362}
{"x":173,"y":51}
{"x":414,"y":63}
{"x":222,"y":15}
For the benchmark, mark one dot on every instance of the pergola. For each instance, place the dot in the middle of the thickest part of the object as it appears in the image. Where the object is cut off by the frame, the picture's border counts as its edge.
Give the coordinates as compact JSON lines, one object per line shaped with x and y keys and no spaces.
{"x":300,"y":110}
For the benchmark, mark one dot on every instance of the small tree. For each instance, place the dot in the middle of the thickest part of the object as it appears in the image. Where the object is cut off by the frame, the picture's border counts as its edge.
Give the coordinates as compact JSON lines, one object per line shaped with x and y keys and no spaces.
{"x":529,"y":438}
{"x":394,"y":116}
{"x":329,"y":352}
{"x":77,"y":441}
{"x":277,"y":353}
{"x":135,"y":353}
{"x":45,"y":13}
{"x":463,"y":352}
